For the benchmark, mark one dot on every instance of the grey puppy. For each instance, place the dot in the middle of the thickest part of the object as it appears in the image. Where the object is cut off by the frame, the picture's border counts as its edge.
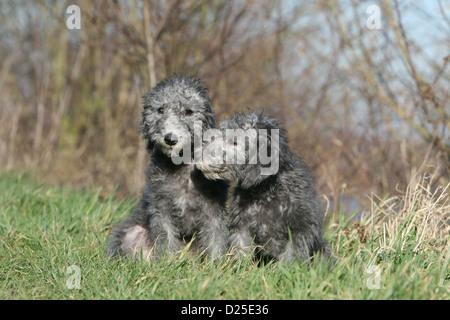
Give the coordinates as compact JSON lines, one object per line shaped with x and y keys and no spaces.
{"x":279,"y":210}
{"x":178,"y":202}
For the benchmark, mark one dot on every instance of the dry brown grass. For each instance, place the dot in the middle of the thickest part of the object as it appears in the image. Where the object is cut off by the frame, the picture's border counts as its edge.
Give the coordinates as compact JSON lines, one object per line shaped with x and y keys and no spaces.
{"x":417,"y":221}
{"x":419,"y":214}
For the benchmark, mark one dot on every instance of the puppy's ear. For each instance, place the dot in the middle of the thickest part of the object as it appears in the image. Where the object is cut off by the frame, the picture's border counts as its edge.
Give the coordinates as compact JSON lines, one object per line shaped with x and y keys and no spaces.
{"x":210,"y":119}
{"x":144,"y":128}
{"x":252,"y":177}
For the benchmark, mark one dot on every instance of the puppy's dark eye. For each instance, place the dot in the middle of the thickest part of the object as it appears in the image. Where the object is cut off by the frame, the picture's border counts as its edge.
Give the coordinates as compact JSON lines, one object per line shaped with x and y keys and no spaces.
{"x":189,"y":112}
{"x":160,"y":110}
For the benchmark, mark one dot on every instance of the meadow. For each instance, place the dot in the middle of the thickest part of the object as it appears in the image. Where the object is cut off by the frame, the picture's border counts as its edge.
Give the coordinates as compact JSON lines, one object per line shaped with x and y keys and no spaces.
{"x":53,"y":239}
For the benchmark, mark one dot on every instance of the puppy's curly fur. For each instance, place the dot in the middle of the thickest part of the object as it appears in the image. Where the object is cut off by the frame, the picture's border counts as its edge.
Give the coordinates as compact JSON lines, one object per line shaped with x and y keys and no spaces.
{"x":178,"y":202}
{"x":279,"y":213}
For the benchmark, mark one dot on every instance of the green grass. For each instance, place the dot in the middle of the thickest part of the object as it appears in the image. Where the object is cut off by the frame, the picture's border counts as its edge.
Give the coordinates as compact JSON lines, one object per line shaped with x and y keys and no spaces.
{"x":45,"y":230}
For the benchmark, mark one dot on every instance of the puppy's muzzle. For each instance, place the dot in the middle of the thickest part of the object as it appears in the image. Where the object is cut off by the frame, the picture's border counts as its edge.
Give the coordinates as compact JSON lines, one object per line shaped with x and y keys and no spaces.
{"x":170,"y":139}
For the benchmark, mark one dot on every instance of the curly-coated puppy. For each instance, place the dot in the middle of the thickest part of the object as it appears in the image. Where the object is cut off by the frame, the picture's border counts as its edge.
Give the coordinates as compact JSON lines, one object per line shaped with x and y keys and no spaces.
{"x":275,"y":205}
{"x":178,"y":203}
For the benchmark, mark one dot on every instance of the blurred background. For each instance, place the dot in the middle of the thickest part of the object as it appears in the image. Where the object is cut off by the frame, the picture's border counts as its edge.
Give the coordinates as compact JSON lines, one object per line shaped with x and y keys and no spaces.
{"x":365,"y":107}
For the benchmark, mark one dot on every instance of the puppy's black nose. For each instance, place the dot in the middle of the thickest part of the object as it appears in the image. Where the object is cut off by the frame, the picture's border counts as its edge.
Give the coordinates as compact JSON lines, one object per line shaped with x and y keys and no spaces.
{"x":170,"y":139}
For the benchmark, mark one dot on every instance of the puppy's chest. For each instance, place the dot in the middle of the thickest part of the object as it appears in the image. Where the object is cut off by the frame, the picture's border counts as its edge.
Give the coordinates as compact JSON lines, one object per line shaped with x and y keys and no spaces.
{"x":184,"y":199}
{"x":261,"y":211}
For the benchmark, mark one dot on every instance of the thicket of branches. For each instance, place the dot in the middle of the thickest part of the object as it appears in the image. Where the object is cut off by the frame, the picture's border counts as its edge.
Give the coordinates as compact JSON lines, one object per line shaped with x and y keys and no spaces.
{"x":364,"y":108}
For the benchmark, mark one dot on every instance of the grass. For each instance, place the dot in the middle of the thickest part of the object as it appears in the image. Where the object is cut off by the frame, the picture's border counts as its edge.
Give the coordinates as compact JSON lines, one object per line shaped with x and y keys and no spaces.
{"x":400,"y":251}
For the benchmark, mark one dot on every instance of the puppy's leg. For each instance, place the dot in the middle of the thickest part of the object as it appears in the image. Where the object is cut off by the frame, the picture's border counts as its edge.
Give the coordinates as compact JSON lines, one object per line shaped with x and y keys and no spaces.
{"x":213,"y":237}
{"x":164,"y":236}
{"x":294,"y":248}
{"x":241,"y":241}
{"x":131,"y":237}
{"x":137,"y":243}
